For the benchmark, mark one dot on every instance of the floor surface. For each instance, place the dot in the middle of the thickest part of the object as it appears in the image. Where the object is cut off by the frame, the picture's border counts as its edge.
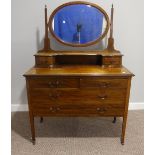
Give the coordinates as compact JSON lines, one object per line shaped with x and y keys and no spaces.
{"x":78,"y":136}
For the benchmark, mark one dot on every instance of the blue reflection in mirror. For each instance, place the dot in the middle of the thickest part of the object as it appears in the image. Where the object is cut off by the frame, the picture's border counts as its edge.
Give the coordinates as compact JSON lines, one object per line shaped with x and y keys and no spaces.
{"x":78,"y":24}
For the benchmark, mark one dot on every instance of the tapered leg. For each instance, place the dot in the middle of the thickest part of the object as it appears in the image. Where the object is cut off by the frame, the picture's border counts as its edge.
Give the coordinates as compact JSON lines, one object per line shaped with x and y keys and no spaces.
{"x":32,"y":128}
{"x":114,"y":121}
{"x":41,"y":119}
{"x":123,"y":129}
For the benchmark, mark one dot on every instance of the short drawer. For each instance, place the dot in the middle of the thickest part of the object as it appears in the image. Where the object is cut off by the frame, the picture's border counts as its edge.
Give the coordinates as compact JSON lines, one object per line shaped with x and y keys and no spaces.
{"x":44,"y":61}
{"x":110,"y":110}
{"x":115,"y":61}
{"x":103,"y":83}
{"x":54,"y":82}
{"x":78,"y":96}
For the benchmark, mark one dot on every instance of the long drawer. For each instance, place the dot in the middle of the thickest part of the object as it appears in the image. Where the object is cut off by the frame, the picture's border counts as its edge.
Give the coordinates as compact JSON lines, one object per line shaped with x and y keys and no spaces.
{"x":78,"y":96}
{"x":49,"y":110}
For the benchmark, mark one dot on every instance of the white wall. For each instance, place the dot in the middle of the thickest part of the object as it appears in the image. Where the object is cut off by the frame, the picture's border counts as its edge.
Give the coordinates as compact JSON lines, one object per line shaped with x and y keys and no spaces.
{"x":28,"y":32}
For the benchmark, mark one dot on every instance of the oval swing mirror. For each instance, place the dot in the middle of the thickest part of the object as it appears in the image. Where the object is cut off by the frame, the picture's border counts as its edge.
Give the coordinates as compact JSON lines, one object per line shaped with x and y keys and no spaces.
{"x":79,"y":24}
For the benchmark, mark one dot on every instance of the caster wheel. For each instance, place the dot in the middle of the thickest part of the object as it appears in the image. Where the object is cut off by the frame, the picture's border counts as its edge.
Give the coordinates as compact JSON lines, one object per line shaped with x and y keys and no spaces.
{"x":41,"y":119}
{"x":114,"y":121}
{"x":33,"y":142}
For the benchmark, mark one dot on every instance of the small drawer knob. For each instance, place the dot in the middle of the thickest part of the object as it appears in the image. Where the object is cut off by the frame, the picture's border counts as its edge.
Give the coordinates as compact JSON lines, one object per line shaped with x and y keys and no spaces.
{"x":98,"y":109}
{"x":51,"y":84}
{"x":57,"y":82}
{"x":58,"y":108}
{"x":52,"y":109}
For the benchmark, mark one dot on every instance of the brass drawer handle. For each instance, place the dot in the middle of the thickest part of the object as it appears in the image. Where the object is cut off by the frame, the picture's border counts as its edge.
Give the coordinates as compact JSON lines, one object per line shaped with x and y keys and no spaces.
{"x":51,"y":96}
{"x":51,"y":84}
{"x":102,"y":97}
{"x":101,"y":110}
{"x":58,"y":83}
{"x":55,"y":84}
{"x":54,"y":96}
{"x":52,"y":109}
{"x":58,"y":109}
{"x":105,"y":84}
{"x":98,"y":109}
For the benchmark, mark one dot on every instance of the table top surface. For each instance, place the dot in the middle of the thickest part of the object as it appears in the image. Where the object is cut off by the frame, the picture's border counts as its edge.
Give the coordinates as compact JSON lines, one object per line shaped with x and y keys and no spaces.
{"x":78,"y":71}
{"x":96,"y":52}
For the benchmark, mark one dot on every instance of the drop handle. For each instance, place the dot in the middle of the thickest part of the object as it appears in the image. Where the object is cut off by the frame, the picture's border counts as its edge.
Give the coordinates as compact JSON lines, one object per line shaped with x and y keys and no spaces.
{"x":51,"y":96}
{"x":102,"y":110}
{"x":52,"y":109}
{"x":98,"y":109}
{"x":102,"y":97}
{"x":54,"y":96}
{"x":58,"y":109}
{"x":57,"y":82}
{"x":105,"y":84}
{"x":51,"y":84}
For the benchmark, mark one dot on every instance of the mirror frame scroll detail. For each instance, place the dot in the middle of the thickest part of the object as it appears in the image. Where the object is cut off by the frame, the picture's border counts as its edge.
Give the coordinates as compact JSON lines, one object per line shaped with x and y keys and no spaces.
{"x":74,"y":3}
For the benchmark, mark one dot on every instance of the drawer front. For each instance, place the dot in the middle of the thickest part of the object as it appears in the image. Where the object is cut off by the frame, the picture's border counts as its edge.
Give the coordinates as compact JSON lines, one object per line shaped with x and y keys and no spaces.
{"x":78,"y":96}
{"x":49,"y":110}
{"x":54,"y":82}
{"x":44,"y":61}
{"x":112,"y":60}
{"x":103,"y":83}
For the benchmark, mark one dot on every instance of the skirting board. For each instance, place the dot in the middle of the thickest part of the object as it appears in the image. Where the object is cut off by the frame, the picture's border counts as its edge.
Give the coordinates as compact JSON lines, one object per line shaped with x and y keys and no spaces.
{"x":132,"y":106}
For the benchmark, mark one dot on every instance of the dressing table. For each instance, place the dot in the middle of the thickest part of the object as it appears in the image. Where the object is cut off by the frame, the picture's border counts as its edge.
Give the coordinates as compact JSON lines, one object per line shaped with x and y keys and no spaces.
{"x":78,"y":83}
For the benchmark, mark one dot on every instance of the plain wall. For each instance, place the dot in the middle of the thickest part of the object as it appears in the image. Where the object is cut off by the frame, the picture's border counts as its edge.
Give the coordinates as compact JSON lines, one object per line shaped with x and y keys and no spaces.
{"x":28,"y":33}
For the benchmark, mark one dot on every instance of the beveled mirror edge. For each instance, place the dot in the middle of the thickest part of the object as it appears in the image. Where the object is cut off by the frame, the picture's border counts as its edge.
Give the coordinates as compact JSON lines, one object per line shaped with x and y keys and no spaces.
{"x":73,"y":3}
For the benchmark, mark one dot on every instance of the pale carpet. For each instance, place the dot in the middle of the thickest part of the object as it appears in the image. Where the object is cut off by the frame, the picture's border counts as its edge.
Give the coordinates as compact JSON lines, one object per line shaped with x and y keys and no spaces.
{"x":77,"y":136}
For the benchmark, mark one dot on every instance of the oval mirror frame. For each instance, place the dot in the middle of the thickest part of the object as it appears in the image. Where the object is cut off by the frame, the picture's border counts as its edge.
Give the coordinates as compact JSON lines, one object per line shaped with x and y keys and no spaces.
{"x":74,"y":3}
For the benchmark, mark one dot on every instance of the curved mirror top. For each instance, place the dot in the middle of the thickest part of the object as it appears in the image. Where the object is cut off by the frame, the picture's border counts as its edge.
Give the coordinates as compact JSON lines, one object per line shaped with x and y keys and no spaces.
{"x":79,"y":24}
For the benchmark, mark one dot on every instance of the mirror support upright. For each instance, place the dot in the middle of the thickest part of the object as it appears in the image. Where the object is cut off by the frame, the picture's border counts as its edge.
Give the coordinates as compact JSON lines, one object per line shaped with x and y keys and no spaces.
{"x":111,"y":39}
{"x":46,"y":39}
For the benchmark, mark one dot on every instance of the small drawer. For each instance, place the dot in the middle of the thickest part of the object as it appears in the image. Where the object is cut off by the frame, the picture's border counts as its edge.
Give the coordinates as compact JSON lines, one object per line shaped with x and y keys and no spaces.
{"x":103,"y":83}
{"x":112,"y":61}
{"x":44,"y":61}
{"x":54,"y":82}
{"x":50,"y":110}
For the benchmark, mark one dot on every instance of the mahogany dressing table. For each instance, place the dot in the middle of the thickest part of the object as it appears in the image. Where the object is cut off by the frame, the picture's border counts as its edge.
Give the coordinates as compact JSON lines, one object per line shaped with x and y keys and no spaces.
{"x":78,"y":83}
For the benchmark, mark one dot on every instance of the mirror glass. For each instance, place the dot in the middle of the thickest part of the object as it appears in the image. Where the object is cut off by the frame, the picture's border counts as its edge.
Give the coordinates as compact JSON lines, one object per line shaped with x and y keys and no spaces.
{"x":79,"y":24}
